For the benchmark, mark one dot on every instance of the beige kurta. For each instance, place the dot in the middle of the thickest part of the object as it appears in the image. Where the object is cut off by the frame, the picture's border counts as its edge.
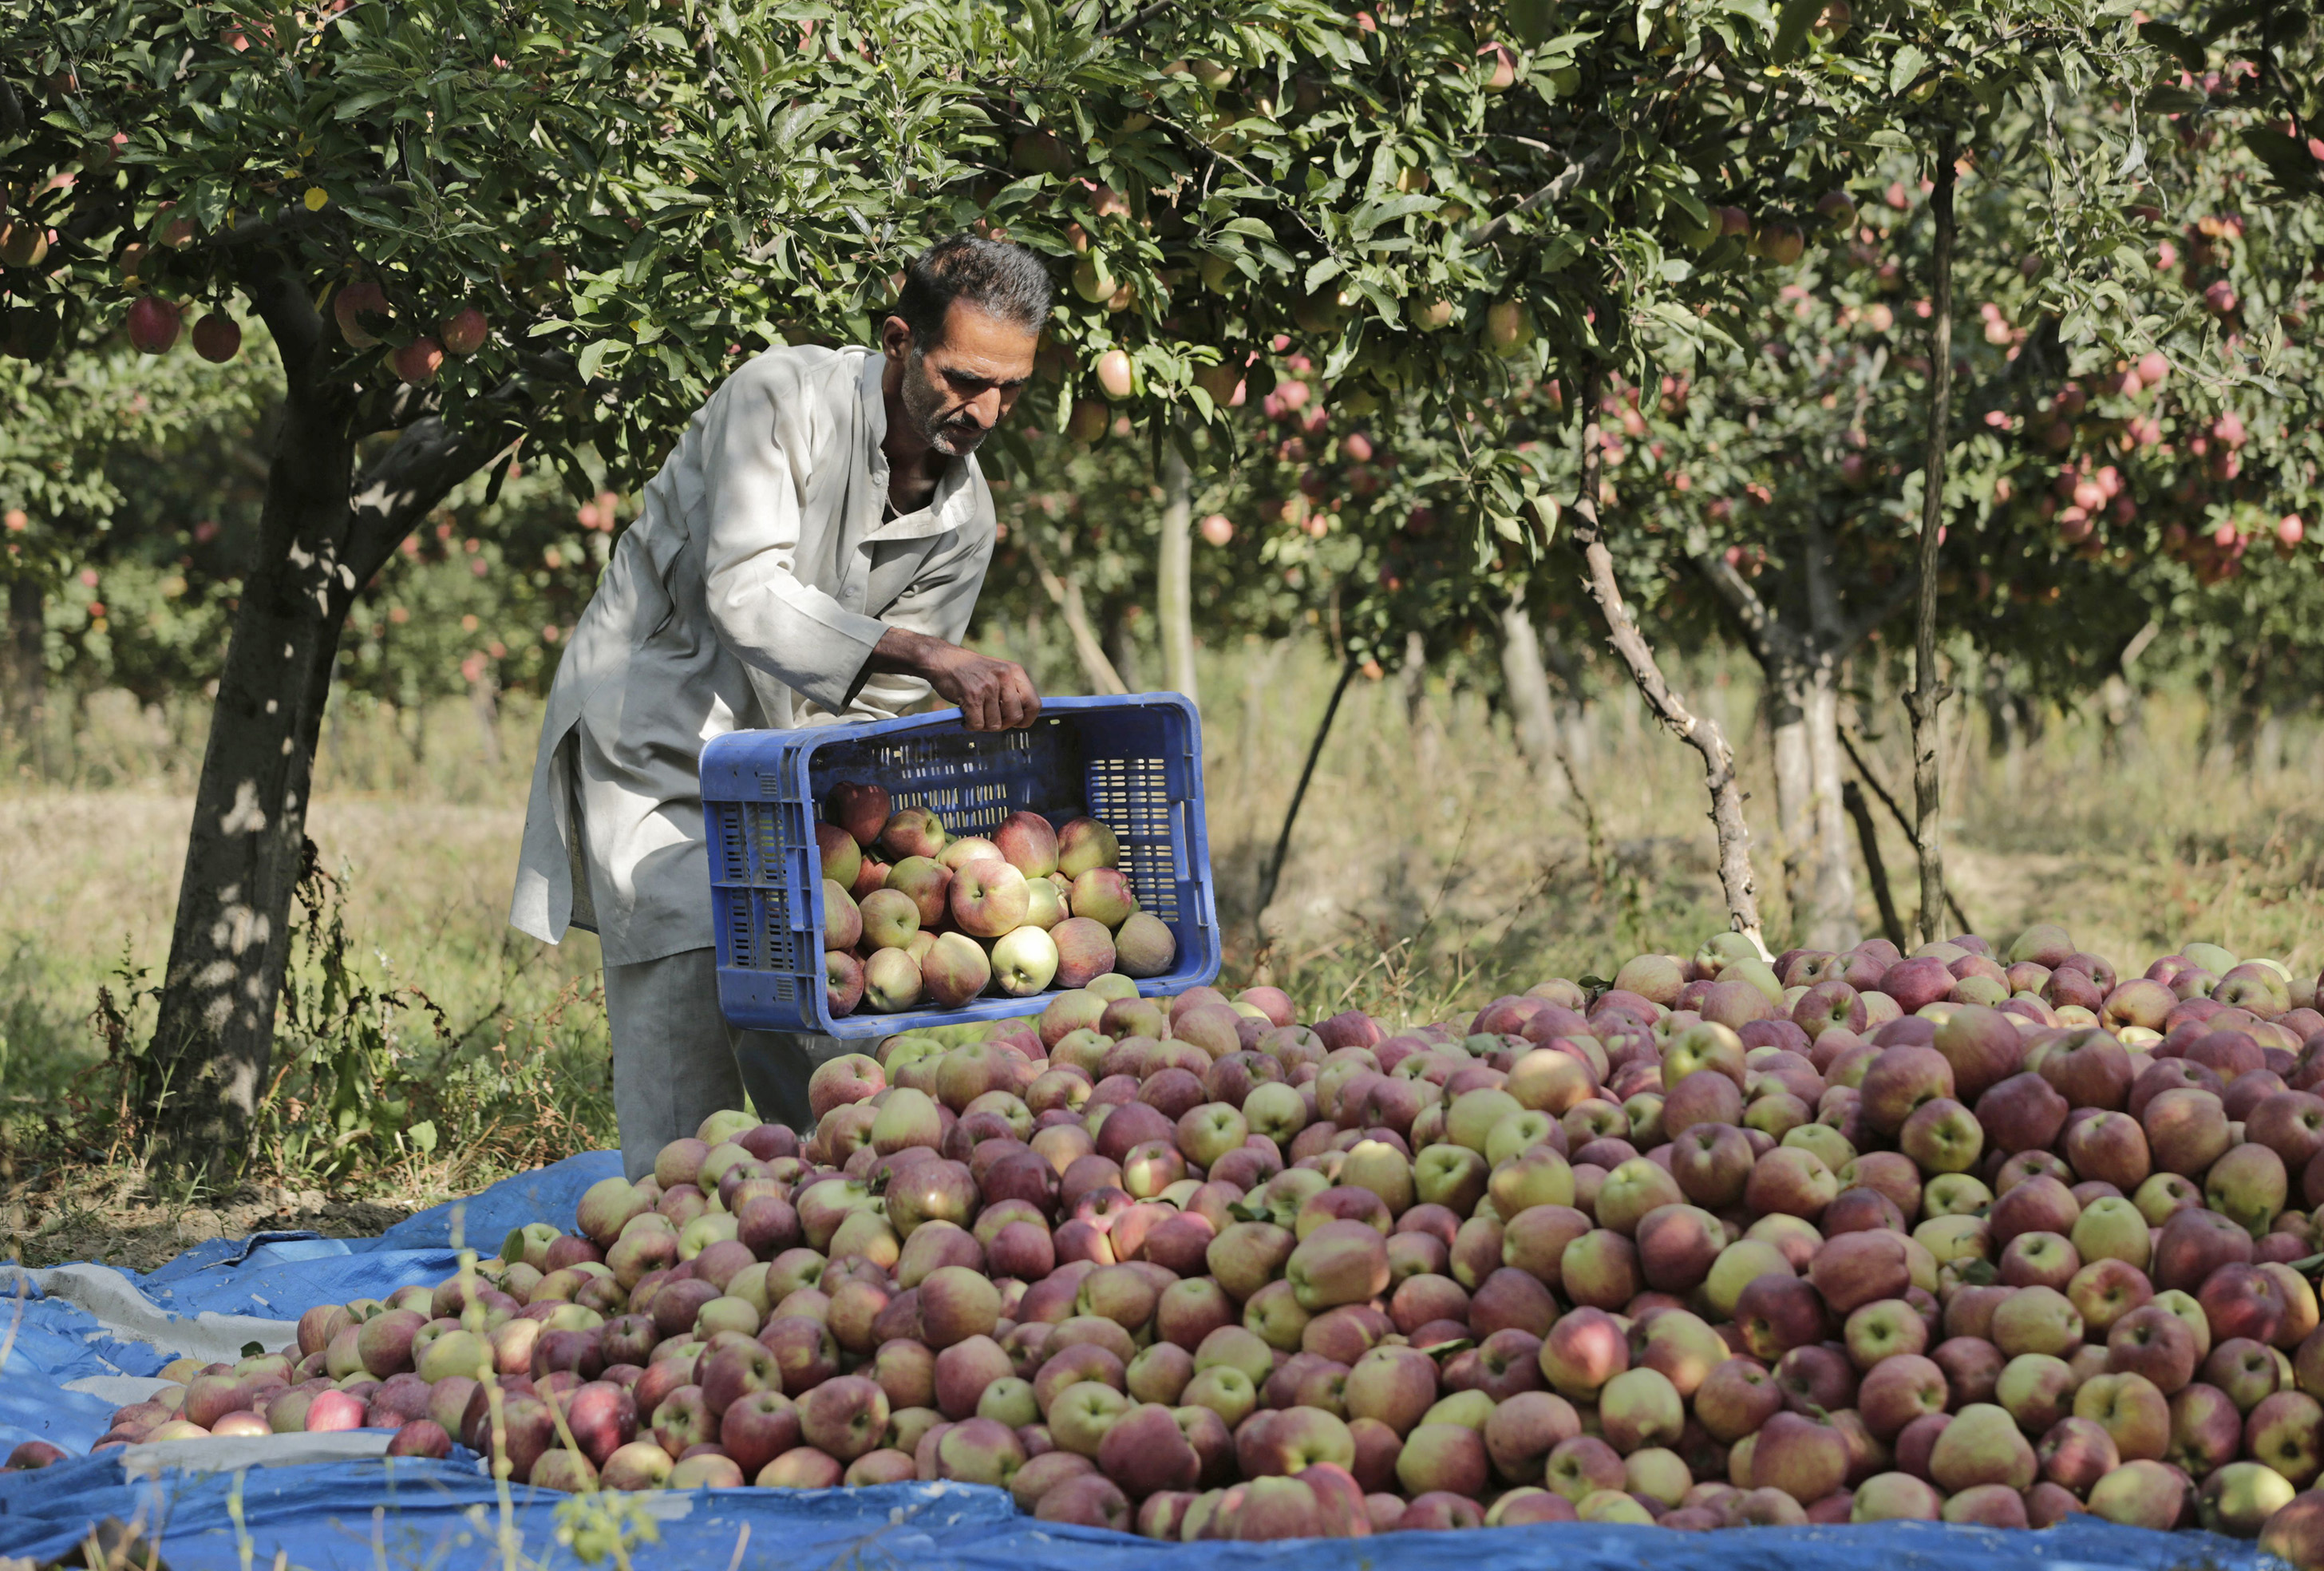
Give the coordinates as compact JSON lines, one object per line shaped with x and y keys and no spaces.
{"x":749,"y":593}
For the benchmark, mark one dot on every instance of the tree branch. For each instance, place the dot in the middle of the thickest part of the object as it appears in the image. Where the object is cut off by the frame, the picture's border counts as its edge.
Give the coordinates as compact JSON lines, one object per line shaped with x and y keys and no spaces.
{"x":1867,"y":838}
{"x":1900,"y":594}
{"x":254,"y":230}
{"x":1137,"y":22}
{"x":1067,"y":598}
{"x":1556,"y":191}
{"x":1737,"y":881}
{"x":1870,"y":774}
{"x":1938,"y":68}
{"x":1220,"y":155}
{"x":1758,"y":622}
{"x":1273,"y":869}
{"x":88,"y":219}
{"x":289,"y":317}
{"x":410,"y":478}
{"x":395,"y":410}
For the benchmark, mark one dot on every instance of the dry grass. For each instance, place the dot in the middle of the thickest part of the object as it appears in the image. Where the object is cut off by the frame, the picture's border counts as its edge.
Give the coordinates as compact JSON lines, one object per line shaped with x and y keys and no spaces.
{"x":1431,"y":869}
{"x":1432,"y":857}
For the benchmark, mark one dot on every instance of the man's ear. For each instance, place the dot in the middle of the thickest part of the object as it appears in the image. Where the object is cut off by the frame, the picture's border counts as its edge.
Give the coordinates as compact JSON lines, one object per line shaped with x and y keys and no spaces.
{"x":894,"y":337}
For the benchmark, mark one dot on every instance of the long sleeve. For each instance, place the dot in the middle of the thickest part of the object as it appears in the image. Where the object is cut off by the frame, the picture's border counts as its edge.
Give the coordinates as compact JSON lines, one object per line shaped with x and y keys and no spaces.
{"x":759,"y":606}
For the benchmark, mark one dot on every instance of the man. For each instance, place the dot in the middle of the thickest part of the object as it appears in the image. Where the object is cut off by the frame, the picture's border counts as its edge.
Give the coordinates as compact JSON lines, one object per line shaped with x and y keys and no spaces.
{"x":811,"y":552}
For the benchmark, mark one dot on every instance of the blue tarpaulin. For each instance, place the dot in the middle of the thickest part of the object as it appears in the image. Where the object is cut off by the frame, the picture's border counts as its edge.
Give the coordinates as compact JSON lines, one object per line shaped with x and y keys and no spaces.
{"x":90,"y":1328}
{"x":83,"y":1325}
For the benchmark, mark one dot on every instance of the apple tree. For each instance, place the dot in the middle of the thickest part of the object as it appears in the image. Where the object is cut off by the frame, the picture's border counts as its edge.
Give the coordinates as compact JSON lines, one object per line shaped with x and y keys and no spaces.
{"x":114,"y":471}
{"x":461,"y":228}
{"x":1786,"y":481}
{"x":1598,"y":205}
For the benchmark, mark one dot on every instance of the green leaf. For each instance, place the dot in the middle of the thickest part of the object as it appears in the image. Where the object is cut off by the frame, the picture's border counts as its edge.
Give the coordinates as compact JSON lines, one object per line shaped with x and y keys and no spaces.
{"x":2173,"y":99}
{"x":2176,"y":43}
{"x":1372,"y":214}
{"x":1908,"y":63}
{"x":352,"y":106}
{"x":1547,"y":508}
{"x":1792,"y":29}
{"x":593,"y":356}
{"x":2286,"y":157}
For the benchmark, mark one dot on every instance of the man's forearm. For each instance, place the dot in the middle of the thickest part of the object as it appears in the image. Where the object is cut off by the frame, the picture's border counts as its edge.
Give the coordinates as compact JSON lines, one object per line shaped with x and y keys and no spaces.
{"x":993,"y":695}
{"x":901,"y":652}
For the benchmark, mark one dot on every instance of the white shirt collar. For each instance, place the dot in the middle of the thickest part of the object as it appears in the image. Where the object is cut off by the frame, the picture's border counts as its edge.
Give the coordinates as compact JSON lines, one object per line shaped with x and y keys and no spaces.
{"x":948,"y":507}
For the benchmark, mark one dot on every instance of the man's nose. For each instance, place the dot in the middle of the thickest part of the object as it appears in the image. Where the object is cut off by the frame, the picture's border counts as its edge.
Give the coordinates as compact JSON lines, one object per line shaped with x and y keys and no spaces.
{"x":985,"y":409}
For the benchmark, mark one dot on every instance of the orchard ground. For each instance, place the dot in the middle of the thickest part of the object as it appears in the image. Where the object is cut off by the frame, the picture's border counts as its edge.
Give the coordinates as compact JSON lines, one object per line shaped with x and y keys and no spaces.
{"x":1432,"y":868}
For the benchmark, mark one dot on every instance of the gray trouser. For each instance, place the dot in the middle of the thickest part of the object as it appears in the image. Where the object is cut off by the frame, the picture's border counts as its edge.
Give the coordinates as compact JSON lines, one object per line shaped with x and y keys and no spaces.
{"x":676,"y":1061}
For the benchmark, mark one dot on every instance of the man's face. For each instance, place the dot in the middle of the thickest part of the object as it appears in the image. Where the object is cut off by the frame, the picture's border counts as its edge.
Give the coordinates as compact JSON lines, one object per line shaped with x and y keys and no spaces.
{"x":955,"y":391}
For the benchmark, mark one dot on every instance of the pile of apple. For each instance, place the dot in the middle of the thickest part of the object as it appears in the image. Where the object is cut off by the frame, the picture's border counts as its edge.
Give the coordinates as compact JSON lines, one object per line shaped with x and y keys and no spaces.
{"x":914,"y":917}
{"x":1990,"y":1238}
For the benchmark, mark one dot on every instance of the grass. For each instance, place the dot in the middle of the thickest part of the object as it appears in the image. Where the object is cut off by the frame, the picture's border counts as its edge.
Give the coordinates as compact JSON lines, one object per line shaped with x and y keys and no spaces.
{"x":1431,"y":870}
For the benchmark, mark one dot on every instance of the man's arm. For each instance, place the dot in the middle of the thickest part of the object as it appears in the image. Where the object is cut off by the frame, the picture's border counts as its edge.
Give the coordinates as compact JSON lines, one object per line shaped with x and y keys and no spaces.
{"x":993,"y":695}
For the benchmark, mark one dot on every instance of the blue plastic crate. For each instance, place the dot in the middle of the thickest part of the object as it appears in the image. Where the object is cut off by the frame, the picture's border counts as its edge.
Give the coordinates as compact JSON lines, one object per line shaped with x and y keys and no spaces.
{"x":1134,"y":764}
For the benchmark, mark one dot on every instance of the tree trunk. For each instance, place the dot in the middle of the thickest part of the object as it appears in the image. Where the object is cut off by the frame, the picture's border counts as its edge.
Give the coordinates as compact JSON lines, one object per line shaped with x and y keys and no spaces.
{"x":1737,"y":881}
{"x":1787,"y":735}
{"x":214,"y":1040}
{"x":1927,"y":697}
{"x":27,"y":678}
{"x":1419,"y":712}
{"x":1412,"y":679}
{"x":1122,"y":641}
{"x":1174,"y":576}
{"x":2243,"y":722}
{"x":1575,"y":740}
{"x":1531,"y":708}
{"x":1066,"y":593}
{"x":322,"y":534}
{"x":484,"y":703}
{"x":1803,"y":694}
{"x":2268,"y":753}
{"x":1255,"y":730}
{"x":2001,"y":735}
{"x":1828,"y":921}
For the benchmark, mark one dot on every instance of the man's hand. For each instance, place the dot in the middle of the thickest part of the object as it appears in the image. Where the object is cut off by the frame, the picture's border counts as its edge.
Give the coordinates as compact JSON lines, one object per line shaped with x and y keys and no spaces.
{"x":993,"y":695}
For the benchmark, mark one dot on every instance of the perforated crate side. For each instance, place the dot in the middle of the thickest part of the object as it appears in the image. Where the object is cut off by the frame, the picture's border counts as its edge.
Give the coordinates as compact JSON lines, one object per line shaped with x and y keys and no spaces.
{"x":736,"y":925}
{"x":1130,"y":797}
{"x":785,"y":942}
{"x":782,"y":838}
{"x":730,"y":846}
{"x":970,"y":780}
